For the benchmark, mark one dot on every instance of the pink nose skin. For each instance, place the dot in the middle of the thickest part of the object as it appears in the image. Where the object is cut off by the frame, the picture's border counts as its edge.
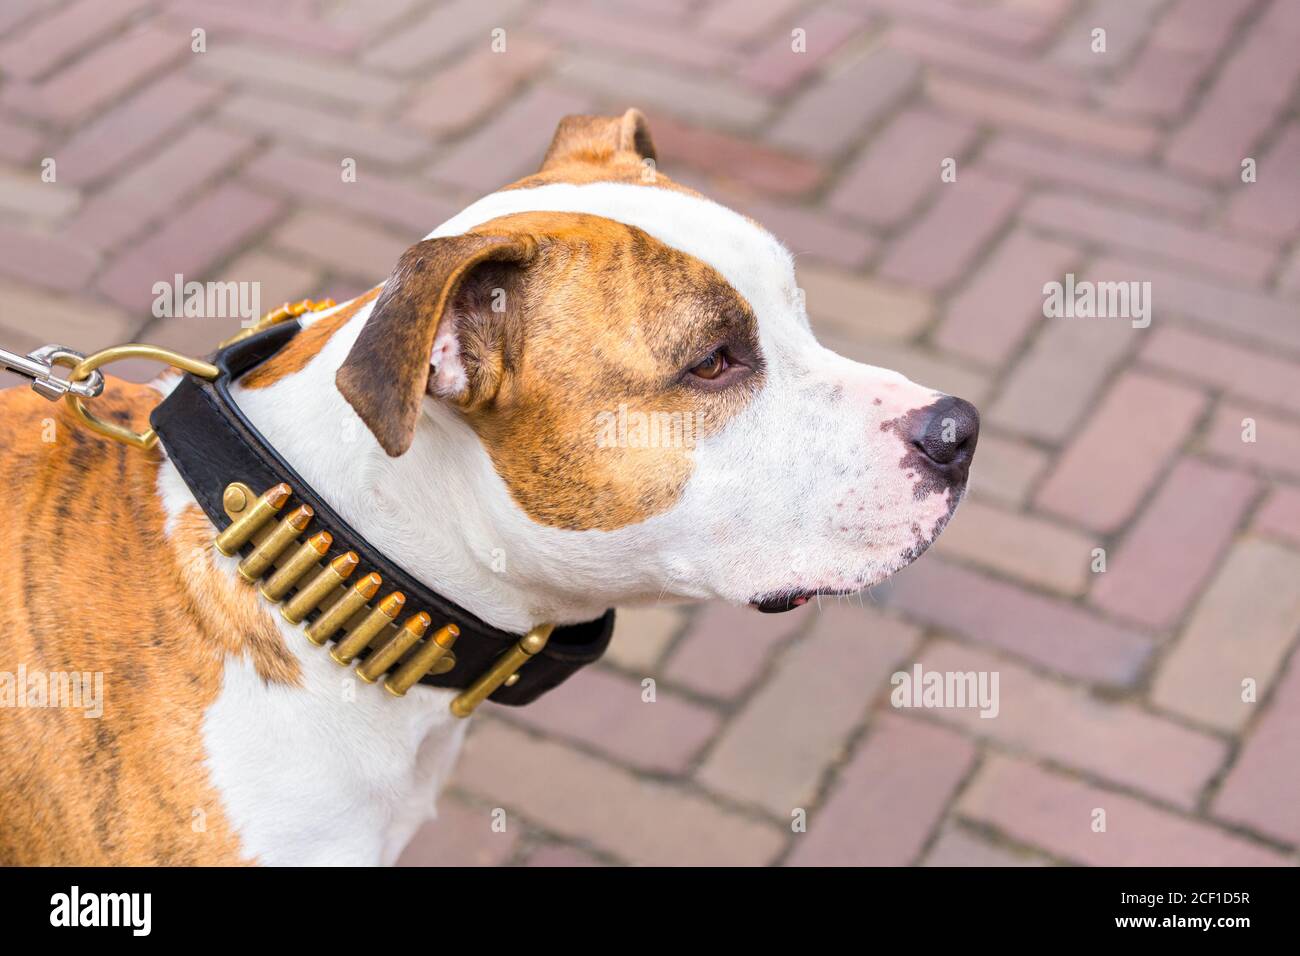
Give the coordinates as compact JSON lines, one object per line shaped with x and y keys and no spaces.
{"x":945,"y":434}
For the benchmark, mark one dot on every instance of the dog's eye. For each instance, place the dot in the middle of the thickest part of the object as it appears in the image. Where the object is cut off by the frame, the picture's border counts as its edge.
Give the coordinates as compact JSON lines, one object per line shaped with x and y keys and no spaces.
{"x":714,"y":365}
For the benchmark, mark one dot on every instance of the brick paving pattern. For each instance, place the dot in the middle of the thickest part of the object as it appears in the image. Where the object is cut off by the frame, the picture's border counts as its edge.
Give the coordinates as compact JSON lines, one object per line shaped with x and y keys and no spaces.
{"x":1121,"y":691}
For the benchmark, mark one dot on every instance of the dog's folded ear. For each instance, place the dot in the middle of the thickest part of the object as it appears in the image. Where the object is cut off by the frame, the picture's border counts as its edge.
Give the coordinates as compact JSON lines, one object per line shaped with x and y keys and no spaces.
{"x":600,"y":139}
{"x":436,"y":328}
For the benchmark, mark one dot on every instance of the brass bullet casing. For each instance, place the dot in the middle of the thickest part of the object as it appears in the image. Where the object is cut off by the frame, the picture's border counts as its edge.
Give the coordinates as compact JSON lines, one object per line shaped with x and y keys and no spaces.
{"x":359,"y":638}
{"x":276,"y":544}
{"x":259,"y":513}
{"x":341,"y":611}
{"x":310,"y":595}
{"x":505,"y":666}
{"x":373,"y":667}
{"x":434,"y":650}
{"x":304,"y":559}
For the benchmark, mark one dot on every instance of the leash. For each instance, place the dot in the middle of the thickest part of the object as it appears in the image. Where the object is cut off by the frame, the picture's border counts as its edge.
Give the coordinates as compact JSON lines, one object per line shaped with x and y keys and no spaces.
{"x":298,"y":552}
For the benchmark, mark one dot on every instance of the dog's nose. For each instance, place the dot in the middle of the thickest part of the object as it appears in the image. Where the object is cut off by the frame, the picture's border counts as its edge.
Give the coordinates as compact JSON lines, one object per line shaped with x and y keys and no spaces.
{"x":947,"y":436}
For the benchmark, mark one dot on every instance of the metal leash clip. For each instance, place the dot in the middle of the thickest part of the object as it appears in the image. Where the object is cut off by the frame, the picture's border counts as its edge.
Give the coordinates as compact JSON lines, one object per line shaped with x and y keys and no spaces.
{"x":39,"y":366}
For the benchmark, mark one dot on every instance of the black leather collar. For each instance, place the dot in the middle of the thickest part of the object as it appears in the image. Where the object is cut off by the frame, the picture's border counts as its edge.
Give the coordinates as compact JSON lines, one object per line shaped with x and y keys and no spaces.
{"x":212,"y":444}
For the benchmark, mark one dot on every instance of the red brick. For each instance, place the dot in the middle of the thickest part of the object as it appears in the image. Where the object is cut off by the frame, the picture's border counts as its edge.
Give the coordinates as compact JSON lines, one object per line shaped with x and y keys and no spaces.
{"x":18,"y":144}
{"x":1200,"y":25}
{"x":775,"y":756}
{"x":301,"y":77}
{"x":727,"y":647}
{"x":1006,"y":469}
{"x":15,"y":13}
{"x":622,"y":34}
{"x":190,"y":244}
{"x":458,"y":26}
{"x":1054,"y":384}
{"x":936,"y":251}
{"x":776,"y":68}
{"x":829,"y":116}
{"x":1017,"y":25}
{"x":888,"y":799}
{"x":805,"y":232}
{"x":461,"y":835}
{"x":1052,"y":633}
{"x":51,"y":261}
{"x":49,"y":40}
{"x":1168,"y":555}
{"x":100,"y":147}
{"x":957,"y":847}
{"x":1275,"y":450}
{"x":409,"y":205}
{"x":101,"y":76}
{"x":1126,"y":22}
{"x":1270,"y":206}
{"x":1028,"y":548}
{"x":465,"y":92}
{"x":1249,"y":93}
{"x":1089,"y":219}
{"x":729,"y":156}
{"x":1118,"y":455}
{"x":1158,"y":83}
{"x":1244,"y":372}
{"x":1243,"y":626}
{"x":1262,"y":791}
{"x":339,"y":134}
{"x":1249,"y":315}
{"x":1104,"y":175}
{"x":662,"y":736}
{"x":561,"y":855}
{"x":1120,"y":742}
{"x":707,"y":100}
{"x":480,"y":162}
{"x":900,"y":167}
{"x":342,"y":244}
{"x":959,"y":55}
{"x":743,"y":20}
{"x":156,"y":186}
{"x":1087,"y":128}
{"x":993,"y":313}
{"x":1279,"y":515}
{"x":1045,"y":809}
{"x":283,"y":27}
{"x":636,"y":819}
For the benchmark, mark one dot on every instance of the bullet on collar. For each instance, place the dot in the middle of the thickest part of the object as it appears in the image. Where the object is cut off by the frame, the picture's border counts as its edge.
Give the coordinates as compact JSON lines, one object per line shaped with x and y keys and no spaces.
{"x":254,"y":517}
{"x":303,"y":560}
{"x":275,"y":544}
{"x":310,"y":595}
{"x":411,"y":631}
{"x":341,"y":611}
{"x":359,"y":638}
{"x":422,"y":661}
{"x":501,"y":671}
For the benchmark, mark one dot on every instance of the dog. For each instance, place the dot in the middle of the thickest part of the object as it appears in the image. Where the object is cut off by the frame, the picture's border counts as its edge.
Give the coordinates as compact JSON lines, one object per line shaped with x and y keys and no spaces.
{"x":459,"y":416}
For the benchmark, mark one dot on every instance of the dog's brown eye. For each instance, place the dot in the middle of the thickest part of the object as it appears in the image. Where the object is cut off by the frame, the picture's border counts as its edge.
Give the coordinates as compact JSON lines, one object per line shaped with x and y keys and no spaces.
{"x":713,"y":366}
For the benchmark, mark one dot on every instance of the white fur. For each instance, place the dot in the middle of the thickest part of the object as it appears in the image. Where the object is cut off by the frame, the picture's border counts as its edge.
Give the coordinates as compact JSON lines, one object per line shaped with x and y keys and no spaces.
{"x":798,"y":491}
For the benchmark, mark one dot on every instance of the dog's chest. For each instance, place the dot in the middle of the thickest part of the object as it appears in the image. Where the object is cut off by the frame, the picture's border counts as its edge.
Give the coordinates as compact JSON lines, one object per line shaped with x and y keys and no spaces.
{"x":334,"y":771}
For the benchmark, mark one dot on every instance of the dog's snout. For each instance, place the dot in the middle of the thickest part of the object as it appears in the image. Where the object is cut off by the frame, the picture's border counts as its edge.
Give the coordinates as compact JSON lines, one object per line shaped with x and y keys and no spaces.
{"x":947,"y":435}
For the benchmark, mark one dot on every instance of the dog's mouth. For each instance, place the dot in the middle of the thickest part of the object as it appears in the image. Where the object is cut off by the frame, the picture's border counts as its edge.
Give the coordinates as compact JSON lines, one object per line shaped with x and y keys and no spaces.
{"x":789,"y":600}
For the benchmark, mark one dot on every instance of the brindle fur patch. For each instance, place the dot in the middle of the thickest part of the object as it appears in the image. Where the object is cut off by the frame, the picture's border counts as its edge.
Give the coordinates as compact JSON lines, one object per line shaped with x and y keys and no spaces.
{"x":94,"y":584}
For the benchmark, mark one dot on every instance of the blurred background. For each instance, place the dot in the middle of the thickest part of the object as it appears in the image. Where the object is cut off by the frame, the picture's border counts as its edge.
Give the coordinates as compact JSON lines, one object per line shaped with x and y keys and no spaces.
{"x":828,"y":121}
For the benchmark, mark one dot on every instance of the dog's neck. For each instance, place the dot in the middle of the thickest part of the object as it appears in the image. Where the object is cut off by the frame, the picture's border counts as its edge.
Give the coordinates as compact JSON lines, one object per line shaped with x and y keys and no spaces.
{"x":437,"y":511}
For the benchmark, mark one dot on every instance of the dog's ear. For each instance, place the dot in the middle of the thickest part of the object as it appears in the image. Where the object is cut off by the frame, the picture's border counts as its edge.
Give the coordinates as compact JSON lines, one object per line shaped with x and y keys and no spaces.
{"x":600,"y":139}
{"x":433,"y":329}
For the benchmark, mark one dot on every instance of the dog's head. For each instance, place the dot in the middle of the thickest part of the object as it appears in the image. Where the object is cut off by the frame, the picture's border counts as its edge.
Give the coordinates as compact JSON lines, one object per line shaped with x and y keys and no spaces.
{"x":630,"y":370}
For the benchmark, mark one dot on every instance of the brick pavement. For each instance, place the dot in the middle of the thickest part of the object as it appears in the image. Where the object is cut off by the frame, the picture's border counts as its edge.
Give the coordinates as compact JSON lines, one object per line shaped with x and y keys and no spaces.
{"x":1121,"y":691}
